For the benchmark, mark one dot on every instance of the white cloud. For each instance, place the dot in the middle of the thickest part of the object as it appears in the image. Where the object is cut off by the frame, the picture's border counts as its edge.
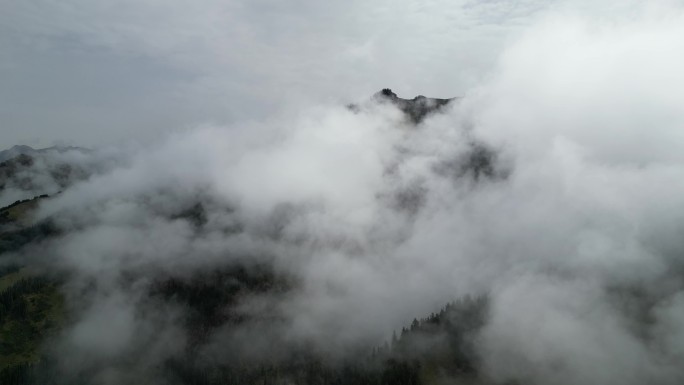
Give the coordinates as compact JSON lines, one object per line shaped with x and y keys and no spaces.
{"x":134,"y":68}
{"x":583,"y":107}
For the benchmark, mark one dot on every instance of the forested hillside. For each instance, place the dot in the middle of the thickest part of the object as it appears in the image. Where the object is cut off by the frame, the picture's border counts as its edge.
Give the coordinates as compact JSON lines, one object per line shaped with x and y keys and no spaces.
{"x":33,"y":313}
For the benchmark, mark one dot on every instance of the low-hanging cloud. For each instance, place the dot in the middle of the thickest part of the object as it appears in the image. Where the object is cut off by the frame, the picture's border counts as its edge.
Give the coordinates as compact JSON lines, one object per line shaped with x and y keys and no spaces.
{"x":372,"y":219}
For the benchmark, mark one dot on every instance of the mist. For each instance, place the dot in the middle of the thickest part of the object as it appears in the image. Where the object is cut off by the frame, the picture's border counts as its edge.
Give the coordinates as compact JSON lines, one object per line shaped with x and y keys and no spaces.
{"x":573,"y":231}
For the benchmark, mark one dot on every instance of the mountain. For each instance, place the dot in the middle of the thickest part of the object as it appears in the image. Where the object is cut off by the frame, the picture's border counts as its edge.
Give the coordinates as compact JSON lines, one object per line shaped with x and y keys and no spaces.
{"x":416,"y":109}
{"x":33,"y":310}
{"x":215,"y":301}
{"x":26,"y":172}
{"x":17,"y":150}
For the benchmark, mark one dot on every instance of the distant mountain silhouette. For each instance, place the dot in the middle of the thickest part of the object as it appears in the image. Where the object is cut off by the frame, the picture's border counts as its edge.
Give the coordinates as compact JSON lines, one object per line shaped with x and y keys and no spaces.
{"x":30,"y":151}
{"x":35,"y":172}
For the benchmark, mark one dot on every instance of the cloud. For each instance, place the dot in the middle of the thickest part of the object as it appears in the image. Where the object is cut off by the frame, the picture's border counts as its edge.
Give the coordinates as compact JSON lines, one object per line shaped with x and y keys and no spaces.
{"x":153,"y":67}
{"x":373,"y":221}
{"x":568,"y":65}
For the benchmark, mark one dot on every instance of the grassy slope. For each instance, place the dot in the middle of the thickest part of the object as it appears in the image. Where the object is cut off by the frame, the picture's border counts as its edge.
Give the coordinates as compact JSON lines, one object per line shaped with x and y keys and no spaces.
{"x":20,"y":213}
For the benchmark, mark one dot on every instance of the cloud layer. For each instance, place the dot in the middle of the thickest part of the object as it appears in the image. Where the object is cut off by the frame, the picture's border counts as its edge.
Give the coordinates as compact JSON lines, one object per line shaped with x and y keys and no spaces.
{"x":153,"y":67}
{"x":576,"y":237}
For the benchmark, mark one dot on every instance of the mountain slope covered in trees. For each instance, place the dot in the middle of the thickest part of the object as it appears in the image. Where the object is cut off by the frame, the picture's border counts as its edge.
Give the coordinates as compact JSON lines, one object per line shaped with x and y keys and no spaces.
{"x":38,"y":304}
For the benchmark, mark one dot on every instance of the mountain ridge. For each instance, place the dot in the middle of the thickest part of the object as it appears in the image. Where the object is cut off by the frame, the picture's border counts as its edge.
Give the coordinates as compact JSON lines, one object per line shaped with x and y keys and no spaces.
{"x":22,"y":149}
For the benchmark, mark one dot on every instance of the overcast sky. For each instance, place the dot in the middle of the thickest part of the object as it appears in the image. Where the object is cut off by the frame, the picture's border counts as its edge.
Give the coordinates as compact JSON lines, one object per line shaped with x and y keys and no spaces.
{"x":91,"y":73}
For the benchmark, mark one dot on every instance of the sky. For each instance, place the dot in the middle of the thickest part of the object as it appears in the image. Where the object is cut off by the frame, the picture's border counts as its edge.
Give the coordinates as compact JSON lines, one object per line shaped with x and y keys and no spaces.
{"x":89,"y":73}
